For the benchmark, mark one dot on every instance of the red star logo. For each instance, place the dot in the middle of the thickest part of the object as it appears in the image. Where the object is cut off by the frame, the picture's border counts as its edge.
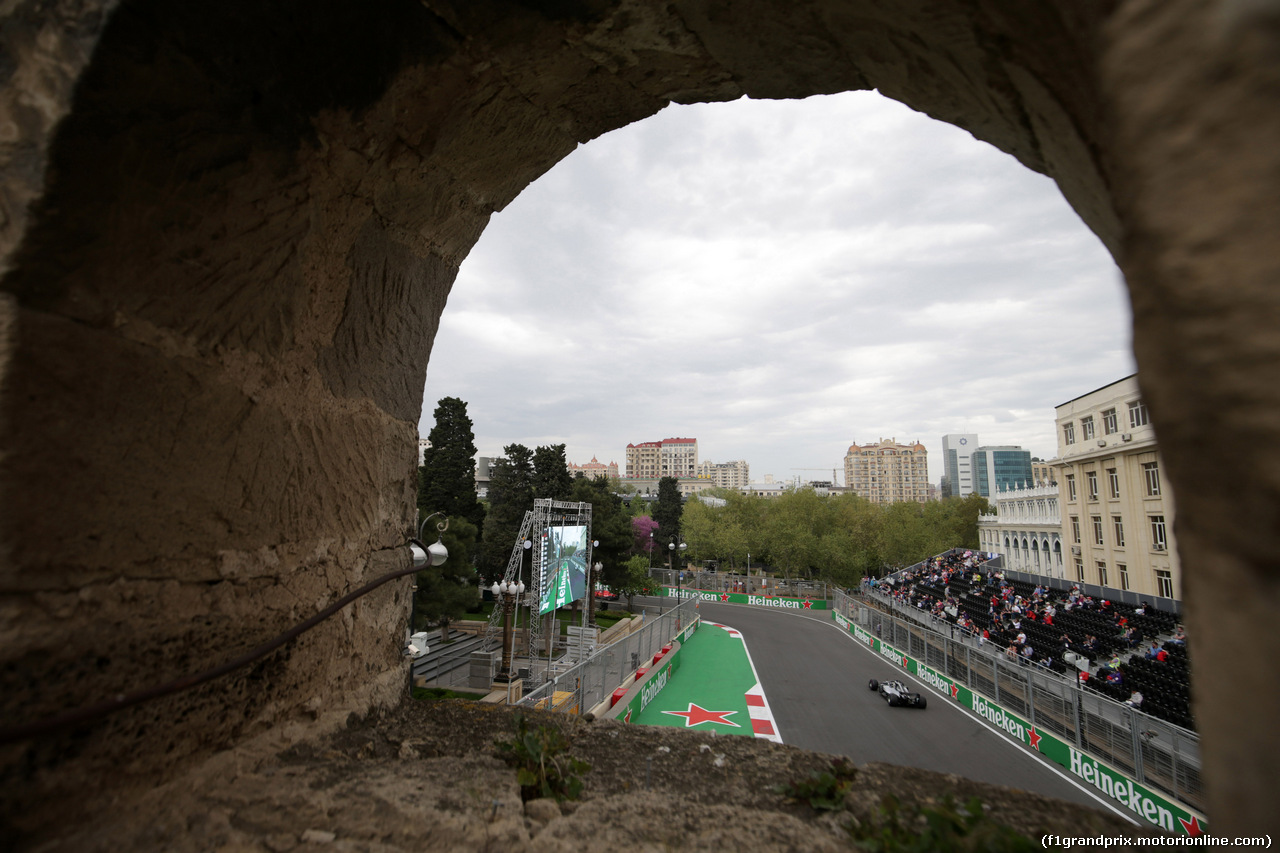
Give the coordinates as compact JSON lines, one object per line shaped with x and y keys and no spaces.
{"x":627,"y":718}
{"x":697,"y":715}
{"x":1192,"y":826}
{"x":808,"y":605}
{"x":904,"y":661}
{"x":724,"y":596}
{"x":955,"y":692}
{"x":1034,"y":737}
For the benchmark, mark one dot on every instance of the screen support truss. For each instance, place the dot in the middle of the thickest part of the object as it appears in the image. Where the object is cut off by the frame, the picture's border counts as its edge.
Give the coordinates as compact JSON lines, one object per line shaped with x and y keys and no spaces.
{"x":545,"y":513}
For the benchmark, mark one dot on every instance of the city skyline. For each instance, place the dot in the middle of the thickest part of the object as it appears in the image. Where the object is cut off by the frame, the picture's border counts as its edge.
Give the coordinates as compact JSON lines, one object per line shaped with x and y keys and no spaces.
{"x":781,"y":280}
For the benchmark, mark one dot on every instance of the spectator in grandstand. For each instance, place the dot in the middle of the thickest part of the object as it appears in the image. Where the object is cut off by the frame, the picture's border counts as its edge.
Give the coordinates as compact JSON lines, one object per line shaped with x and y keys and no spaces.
{"x":1135,"y":699}
{"x":1027,"y":652}
{"x":1179,"y":636}
{"x":1141,"y":609}
{"x":1090,"y":644}
{"x":1012,"y":651}
{"x":986,"y":635}
{"x":1115,"y":677}
{"x":1162,"y":655}
{"x":1154,"y":650}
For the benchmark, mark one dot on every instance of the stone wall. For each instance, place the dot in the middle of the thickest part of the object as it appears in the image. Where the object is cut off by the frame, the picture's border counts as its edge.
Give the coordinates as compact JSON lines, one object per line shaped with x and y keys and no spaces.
{"x":245,"y":220}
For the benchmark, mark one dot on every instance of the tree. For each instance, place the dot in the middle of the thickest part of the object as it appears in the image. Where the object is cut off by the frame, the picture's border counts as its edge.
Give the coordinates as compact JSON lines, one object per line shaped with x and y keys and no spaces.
{"x":643,"y":529}
{"x":551,"y":478}
{"x":445,"y":592}
{"x":510,"y":497}
{"x":667,"y":509}
{"x":635,"y":581}
{"x":610,"y":526}
{"x":447,"y":472}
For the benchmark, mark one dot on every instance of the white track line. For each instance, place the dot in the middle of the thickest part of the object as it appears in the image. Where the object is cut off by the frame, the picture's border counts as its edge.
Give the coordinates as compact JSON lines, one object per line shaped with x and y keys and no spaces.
{"x":762,"y":721}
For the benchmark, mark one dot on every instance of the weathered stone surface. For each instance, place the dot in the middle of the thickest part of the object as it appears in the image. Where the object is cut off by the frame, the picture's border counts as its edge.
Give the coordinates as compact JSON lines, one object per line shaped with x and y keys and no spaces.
{"x":245,"y":218}
{"x":457,"y":794}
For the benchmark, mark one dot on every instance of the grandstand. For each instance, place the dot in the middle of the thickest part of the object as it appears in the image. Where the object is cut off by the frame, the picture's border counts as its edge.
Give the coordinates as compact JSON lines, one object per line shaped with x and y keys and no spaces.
{"x":1069,"y":633}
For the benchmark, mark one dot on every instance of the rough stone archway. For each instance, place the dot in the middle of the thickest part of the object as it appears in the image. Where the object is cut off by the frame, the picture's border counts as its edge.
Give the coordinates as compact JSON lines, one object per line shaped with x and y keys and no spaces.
{"x":245,"y":219}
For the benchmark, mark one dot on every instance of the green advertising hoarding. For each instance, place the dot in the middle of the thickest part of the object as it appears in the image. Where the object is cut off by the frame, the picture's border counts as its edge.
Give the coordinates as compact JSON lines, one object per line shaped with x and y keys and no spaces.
{"x":1111,"y":783}
{"x":745,"y":598}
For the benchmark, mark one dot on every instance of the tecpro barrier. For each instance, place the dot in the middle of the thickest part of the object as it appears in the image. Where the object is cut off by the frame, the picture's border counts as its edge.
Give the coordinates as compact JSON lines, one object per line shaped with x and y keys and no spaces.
{"x":1111,"y":783}
{"x":747,"y":598}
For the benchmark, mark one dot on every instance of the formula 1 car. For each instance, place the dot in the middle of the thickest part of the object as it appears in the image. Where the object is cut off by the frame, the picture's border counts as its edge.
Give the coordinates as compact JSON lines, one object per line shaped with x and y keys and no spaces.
{"x":896,"y":693}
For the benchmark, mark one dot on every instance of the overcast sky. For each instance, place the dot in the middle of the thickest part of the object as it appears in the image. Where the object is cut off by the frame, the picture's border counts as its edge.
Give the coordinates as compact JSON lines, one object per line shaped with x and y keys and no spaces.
{"x":780,"y":280}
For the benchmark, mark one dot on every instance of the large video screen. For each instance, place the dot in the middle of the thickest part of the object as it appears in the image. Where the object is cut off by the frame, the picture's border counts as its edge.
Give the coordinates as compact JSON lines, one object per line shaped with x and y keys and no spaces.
{"x":564,"y":566}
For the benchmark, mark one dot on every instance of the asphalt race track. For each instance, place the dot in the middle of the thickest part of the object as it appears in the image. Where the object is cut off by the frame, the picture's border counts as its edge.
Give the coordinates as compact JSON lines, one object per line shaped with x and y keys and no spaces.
{"x":815,"y":678}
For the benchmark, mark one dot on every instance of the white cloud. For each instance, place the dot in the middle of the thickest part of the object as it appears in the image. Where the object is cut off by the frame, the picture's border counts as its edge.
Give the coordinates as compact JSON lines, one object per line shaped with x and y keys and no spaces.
{"x":780,"y":279}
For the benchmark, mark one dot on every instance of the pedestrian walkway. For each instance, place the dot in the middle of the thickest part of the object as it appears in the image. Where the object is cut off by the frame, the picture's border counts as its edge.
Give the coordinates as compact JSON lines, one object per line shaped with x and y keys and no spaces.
{"x":715,"y":689}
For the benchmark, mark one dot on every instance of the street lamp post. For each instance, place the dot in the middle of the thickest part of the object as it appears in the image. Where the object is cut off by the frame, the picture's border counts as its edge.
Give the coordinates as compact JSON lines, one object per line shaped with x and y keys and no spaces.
{"x":596,"y":570}
{"x":677,"y":549}
{"x":509,"y":592}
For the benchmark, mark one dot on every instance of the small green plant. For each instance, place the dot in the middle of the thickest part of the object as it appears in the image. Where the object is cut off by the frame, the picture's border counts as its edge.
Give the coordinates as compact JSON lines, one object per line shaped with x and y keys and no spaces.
{"x":946,"y":829}
{"x":543,"y":768}
{"x":823,"y":791}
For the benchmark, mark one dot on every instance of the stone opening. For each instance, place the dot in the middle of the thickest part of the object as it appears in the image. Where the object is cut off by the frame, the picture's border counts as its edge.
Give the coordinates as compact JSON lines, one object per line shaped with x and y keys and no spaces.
{"x":244,"y":222}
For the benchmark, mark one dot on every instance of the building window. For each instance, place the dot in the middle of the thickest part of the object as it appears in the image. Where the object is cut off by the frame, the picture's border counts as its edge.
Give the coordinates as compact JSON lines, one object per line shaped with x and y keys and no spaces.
{"x":1117,"y":523}
{"x":1113,"y":483}
{"x":1109,"y":422}
{"x":1079,"y":570}
{"x":1102,"y":573}
{"x":1159,"y":538}
{"x":1097,"y":529}
{"x":1075,"y":530}
{"x":1086,"y":428}
{"x":1124,"y":575}
{"x":1164,"y":584}
{"x":1069,"y":433}
{"x":1138,"y":414}
{"x":1092,"y":480}
{"x":1151,"y":475}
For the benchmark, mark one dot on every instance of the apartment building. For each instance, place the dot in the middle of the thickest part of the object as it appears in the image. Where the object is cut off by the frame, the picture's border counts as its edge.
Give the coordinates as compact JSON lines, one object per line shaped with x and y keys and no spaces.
{"x":887,"y":472}
{"x":671,"y":457}
{"x":726,"y":475}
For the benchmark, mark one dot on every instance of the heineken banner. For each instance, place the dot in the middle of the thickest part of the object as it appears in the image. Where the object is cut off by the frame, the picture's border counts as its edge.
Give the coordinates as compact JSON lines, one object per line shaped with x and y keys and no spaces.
{"x":559,"y":592}
{"x":745,"y":598}
{"x":1108,"y":781}
{"x":666,"y":667}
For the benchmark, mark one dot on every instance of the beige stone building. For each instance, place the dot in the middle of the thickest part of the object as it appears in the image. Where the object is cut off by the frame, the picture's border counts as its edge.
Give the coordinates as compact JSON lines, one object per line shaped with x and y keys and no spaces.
{"x":726,"y":475}
{"x":888,"y":472}
{"x":1026,"y":528}
{"x":1117,"y":510}
{"x":671,"y":457}
{"x":595,"y":468}
{"x":1043,"y":473}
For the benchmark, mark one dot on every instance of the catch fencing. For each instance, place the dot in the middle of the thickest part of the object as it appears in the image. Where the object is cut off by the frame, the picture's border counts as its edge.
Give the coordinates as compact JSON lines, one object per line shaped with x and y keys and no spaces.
{"x":1149,"y":750}
{"x":581,"y":686}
